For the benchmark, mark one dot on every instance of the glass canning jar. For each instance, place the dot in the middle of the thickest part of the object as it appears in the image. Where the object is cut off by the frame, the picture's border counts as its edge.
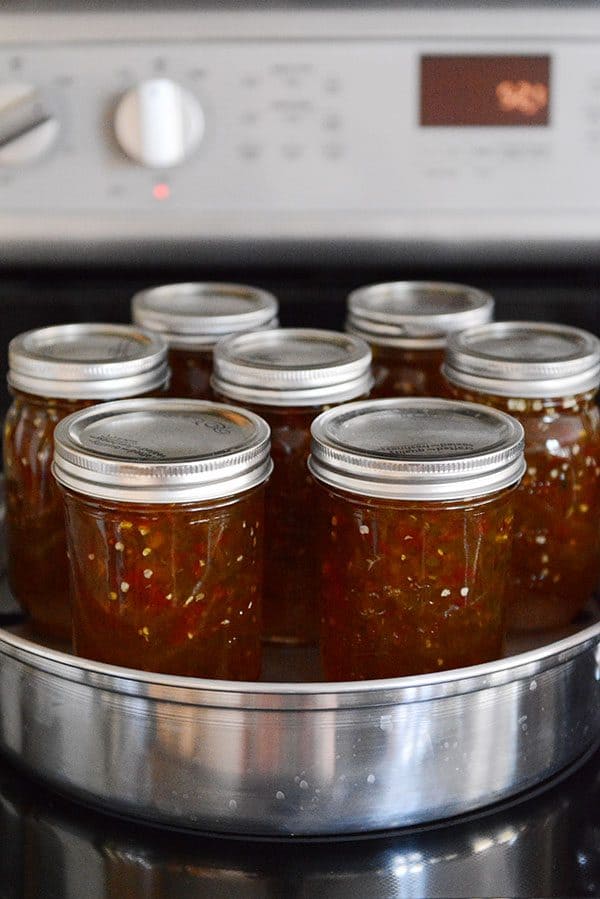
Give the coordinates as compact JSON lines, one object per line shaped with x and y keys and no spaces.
{"x":289,"y":376}
{"x":407,"y":324}
{"x":414,"y":518}
{"x":52,"y":373}
{"x":192,"y":317}
{"x":546,"y":376}
{"x":164,"y":508}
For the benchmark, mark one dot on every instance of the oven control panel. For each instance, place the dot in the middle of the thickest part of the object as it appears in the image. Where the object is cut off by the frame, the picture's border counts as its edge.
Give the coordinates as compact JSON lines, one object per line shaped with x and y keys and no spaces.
{"x":204,"y":134}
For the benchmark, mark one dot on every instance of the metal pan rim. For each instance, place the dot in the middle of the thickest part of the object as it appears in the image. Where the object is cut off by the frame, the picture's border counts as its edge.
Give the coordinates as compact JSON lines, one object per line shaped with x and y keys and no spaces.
{"x":306,"y":696}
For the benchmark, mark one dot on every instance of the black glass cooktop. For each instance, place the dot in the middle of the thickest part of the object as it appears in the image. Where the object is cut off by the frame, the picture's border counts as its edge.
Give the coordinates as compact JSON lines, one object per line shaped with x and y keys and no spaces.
{"x":546,"y":844}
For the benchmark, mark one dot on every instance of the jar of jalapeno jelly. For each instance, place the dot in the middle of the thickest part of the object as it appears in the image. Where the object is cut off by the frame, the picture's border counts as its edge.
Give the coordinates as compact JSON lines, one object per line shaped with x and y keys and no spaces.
{"x":289,"y":376}
{"x":164,"y":508}
{"x":52,"y":373}
{"x":414,"y":519}
{"x":547,"y":376}
{"x":192,"y":317}
{"x":407,"y":324}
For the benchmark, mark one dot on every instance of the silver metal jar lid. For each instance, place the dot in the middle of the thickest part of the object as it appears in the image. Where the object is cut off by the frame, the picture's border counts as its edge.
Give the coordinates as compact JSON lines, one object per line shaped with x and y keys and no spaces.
{"x":87,"y":361}
{"x":292,"y":367}
{"x":524,"y":359}
{"x":417,"y":449}
{"x":161,"y":451}
{"x":196,"y":315}
{"x":416,"y":314}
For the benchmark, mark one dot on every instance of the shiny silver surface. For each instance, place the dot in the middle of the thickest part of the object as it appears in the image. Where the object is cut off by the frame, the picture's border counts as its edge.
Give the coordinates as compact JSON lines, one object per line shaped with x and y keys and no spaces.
{"x":348,"y":174}
{"x":416,"y":314}
{"x":299,"y":758}
{"x":87,"y":361}
{"x":543,"y":844}
{"x":162,"y":450}
{"x":197,"y":314}
{"x":419,"y":449}
{"x":292,"y":367}
{"x":524,"y":359}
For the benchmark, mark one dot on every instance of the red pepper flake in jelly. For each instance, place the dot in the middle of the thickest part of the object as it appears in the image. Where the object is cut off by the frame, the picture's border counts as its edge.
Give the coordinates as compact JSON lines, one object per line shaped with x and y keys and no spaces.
{"x":547,"y":376}
{"x":289,"y":376}
{"x":407,"y":324}
{"x":191,"y":317}
{"x":415,"y":523}
{"x":165,"y":505}
{"x":54,"y":372}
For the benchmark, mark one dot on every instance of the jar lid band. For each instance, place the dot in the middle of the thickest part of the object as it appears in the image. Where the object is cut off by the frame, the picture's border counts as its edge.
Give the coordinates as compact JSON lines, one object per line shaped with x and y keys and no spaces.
{"x":161,"y":451}
{"x":416,"y":314}
{"x":426,"y":449}
{"x":524,"y":359}
{"x":196,"y":315}
{"x":87,"y":361}
{"x":292,"y":366}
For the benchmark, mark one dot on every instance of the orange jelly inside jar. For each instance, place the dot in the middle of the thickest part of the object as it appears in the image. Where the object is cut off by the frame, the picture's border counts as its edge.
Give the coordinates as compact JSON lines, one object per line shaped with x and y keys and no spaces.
{"x":35,"y":517}
{"x":191,"y":371}
{"x":165,"y":521}
{"x":53,"y":373}
{"x":415,"y":524}
{"x":192,"y":317}
{"x":407,"y":324}
{"x":290,"y":610}
{"x":547,"y":377}
{"x":289,"y":376}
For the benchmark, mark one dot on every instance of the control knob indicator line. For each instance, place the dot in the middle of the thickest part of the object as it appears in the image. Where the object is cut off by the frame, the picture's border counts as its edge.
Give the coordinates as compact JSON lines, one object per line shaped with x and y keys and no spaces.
{"x":158,"y":123}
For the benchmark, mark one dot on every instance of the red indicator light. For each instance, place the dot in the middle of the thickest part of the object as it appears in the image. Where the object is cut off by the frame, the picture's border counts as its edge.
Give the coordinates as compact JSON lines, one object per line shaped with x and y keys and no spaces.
{"x":161,"y":191}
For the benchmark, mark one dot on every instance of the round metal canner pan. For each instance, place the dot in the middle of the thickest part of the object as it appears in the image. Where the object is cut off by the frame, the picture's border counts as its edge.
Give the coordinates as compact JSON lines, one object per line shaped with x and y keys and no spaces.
{"x":285,"y":758}
{"x":299,"y":758}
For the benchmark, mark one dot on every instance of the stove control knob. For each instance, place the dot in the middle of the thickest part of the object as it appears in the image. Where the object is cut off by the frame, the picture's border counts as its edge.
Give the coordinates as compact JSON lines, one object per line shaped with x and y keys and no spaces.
{"x":158,"y":123}
{"x":27,"y":128}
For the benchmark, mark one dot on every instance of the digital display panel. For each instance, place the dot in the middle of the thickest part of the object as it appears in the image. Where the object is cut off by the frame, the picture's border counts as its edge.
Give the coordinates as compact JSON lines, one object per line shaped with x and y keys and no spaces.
{"x":485,"y":90}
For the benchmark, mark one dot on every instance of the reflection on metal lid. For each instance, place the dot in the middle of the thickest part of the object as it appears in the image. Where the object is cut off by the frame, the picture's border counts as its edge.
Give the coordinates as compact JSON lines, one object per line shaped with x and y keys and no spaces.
{"x":87,"y":361}
{"x":416,"y":314}
{"x":292,"y":366}
{"x":417,"y":449}
{"x":162,"y":450}
{"x":524,"y":359}
{"x":197,"y":314}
